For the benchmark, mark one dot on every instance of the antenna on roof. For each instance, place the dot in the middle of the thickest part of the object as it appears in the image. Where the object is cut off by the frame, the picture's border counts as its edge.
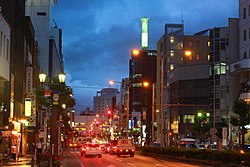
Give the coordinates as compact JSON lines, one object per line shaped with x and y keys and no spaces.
{"x":55,"y":23}
{"x":182,"y":21}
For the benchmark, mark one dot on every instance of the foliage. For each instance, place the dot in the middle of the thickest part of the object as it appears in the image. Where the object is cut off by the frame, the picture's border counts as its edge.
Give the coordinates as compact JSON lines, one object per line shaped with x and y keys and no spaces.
{"x":201,"y":122}
{"x":206,"y":156}
{"x":219,"y":129}
{"x":65,"y":93}
{"x":242,"y":118}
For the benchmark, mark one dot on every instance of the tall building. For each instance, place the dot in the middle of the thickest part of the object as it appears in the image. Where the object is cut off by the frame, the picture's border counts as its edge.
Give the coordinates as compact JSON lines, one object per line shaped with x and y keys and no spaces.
{"x":142,"y":68}
{"x":239,"y":62}
{"x":40,"y":14}
{"x":183,"y":80}
{"x":223,"y":51}
{"x":4,"y":69}
{"x":103,"y":101}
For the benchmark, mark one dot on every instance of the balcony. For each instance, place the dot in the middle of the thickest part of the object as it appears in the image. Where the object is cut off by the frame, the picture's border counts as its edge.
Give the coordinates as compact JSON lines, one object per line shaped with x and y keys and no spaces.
{"x":239,"y":66}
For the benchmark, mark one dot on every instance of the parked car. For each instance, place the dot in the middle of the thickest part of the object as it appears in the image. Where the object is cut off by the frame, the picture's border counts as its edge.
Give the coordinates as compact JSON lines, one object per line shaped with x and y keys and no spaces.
{"x":187,"y":143}
{"x":242,"y":148}
{"x":212,"y":146}
{"x":200,"y":146}
{"x":92,"y":149}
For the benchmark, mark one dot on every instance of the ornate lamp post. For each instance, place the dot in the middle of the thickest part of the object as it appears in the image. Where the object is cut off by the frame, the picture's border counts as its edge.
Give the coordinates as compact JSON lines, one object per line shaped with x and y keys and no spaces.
{"x":54,"y":115}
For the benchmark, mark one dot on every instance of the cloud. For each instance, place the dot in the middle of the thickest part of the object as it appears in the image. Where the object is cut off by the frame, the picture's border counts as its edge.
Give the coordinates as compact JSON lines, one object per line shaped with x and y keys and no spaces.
{"x":98,"y":35}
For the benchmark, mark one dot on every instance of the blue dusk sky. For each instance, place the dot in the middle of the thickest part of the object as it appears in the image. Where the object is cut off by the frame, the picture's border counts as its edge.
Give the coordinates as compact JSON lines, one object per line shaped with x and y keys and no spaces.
{"x":98,"y":35}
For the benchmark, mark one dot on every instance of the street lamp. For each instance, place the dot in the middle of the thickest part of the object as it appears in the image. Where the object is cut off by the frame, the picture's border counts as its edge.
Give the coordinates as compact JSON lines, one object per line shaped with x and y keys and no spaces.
{"x":162,"y":131}
{"x":54,"y":131}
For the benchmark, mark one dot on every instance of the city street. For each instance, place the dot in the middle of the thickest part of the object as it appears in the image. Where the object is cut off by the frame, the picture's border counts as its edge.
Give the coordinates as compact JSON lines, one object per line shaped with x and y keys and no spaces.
{"x":73,"y":158}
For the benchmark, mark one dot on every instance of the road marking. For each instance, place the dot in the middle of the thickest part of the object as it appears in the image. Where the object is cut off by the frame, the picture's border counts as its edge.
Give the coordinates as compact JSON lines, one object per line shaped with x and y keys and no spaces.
{"x":118,"y":159}
{"x":159,"y":165}
{"x":130,"y":164}
{"x":79,"y":160}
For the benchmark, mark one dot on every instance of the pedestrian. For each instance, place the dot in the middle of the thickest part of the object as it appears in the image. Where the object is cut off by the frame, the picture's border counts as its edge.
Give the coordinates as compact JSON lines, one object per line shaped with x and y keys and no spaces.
{"x":39,"y":146}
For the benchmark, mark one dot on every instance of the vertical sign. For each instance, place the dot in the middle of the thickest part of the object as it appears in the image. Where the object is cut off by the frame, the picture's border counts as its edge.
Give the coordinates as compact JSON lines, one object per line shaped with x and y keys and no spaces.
{"x":224,"y":136}
{"x":28,"y":107}
{"x":29,"y":76}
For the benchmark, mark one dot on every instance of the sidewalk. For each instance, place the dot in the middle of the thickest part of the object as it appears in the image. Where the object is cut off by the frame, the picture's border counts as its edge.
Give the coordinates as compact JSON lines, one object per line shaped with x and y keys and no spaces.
{"x":26,"y":161}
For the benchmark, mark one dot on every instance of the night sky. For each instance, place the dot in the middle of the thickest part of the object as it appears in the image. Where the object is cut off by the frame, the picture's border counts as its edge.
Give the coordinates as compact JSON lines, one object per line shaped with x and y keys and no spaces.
{"x":98,"y":35}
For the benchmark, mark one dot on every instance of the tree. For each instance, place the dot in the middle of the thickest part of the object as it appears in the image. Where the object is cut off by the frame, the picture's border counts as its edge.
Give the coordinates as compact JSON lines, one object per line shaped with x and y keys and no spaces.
{"x":201,"y":122}
{"x":242,"y":118}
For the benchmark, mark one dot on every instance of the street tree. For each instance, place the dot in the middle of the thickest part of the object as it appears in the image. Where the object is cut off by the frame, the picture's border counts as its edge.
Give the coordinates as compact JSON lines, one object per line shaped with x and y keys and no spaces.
{"x":241,"y":117}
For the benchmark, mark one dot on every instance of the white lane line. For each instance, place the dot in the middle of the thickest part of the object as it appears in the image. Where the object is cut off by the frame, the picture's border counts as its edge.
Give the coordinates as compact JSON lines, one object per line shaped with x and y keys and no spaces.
{"x":130,"y":164}
{"x":79,"y":160}
{"x":159,"y":165}
{"x":118,"y":159}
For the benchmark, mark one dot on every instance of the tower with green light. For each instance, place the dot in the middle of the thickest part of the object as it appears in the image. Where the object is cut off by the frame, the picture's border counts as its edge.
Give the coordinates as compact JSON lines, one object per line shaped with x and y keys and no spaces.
{"x":144,"y":33}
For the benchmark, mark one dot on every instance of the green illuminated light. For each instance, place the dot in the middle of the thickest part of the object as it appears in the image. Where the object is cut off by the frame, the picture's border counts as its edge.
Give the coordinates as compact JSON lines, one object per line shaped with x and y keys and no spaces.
{"x":144,"y":34}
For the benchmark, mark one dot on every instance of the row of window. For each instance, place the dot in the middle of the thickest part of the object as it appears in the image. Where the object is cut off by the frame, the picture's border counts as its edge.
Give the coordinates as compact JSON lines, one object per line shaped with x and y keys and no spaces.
{"x":245,"y":12}
{"x":4,"y":46}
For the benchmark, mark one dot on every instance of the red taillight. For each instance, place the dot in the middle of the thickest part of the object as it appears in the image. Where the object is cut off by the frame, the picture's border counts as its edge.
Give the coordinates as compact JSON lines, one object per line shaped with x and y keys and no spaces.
{"x":133,"y":150}
{"x":242,"y":152}
{"x":121,"y":150}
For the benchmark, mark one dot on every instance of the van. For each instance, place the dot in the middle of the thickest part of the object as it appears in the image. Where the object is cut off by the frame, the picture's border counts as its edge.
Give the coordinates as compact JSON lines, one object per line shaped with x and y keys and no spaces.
{"x":187,"y":143}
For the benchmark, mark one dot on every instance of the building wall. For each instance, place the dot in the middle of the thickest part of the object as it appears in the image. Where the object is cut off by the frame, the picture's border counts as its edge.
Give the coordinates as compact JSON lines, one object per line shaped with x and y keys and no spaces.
{"x":103,"y":100}
{"x":40,"y":14}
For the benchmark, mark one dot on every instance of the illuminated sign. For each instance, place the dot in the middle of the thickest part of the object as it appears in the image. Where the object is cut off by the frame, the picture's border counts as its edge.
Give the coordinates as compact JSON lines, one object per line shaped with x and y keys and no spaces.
{"x":27,"y":107}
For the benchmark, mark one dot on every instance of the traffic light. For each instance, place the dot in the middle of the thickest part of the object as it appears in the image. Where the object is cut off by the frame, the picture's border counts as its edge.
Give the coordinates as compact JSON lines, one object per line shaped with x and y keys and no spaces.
{"x":109,"y":114}
{"x":170,"y":133}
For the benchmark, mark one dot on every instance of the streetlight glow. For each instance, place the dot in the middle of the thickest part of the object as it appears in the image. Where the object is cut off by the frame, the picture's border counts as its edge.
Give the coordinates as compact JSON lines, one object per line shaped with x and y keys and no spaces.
{"x":145,"y":84}
{"x":62,"y":77}
{"x":135,"y":52}
{"x":42,"y":77}
{"x":188,"y":53}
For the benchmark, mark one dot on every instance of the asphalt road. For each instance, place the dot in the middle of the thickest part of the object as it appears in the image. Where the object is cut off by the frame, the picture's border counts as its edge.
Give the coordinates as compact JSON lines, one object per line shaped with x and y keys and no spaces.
{"x":74,"y":159}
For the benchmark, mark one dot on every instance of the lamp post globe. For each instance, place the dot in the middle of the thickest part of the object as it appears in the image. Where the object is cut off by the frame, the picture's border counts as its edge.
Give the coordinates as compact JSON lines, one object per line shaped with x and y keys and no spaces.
{"x":62,"y":77}
{"x":42,"y":77}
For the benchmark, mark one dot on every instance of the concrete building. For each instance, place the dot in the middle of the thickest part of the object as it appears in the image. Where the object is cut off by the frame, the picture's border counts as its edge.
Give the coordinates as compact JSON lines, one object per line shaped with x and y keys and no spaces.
{"x":40,"y":14}
{"x":5,"y":41}
{"x":240,"y":63}
{"x":182,"y":86}
{"x":224,"y":50}
{"x":142,"y":68}
{"x":103,"y":101}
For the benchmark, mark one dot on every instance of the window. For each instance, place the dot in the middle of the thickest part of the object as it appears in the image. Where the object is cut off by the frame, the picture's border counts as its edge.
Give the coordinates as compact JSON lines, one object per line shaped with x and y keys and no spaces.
{"x":41,"y":13}
{"x":244,"y":13}
{"x":248,"y":10}
{"x":245,"y":55}
{"x":7,"y":50}
{"x":249,"y":32}
{"x":245,"y":35}
{"x":190,"y":43}
{"x":197,"y":57}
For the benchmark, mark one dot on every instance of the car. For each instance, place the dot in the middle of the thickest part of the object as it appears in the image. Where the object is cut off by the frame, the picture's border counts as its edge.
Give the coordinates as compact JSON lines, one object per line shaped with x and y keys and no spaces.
{"x":83,"y":149}
{"x":73,"y":146}
{"x":242,"y":148}
{"x":200,"y":146}
{"x":92,"y":149}
{"x":212,"y":146}
{"x":187,"y":143}
{"x":113,"y":147}
{"x":156,"y":144}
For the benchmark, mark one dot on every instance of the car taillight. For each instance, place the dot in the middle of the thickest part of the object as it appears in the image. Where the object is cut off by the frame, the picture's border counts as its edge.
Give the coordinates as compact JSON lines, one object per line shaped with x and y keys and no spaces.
{"x":121,"y":150}
{"x":87,"y":148}
{"x":242,"y":152}
{"x":133,"y":150}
